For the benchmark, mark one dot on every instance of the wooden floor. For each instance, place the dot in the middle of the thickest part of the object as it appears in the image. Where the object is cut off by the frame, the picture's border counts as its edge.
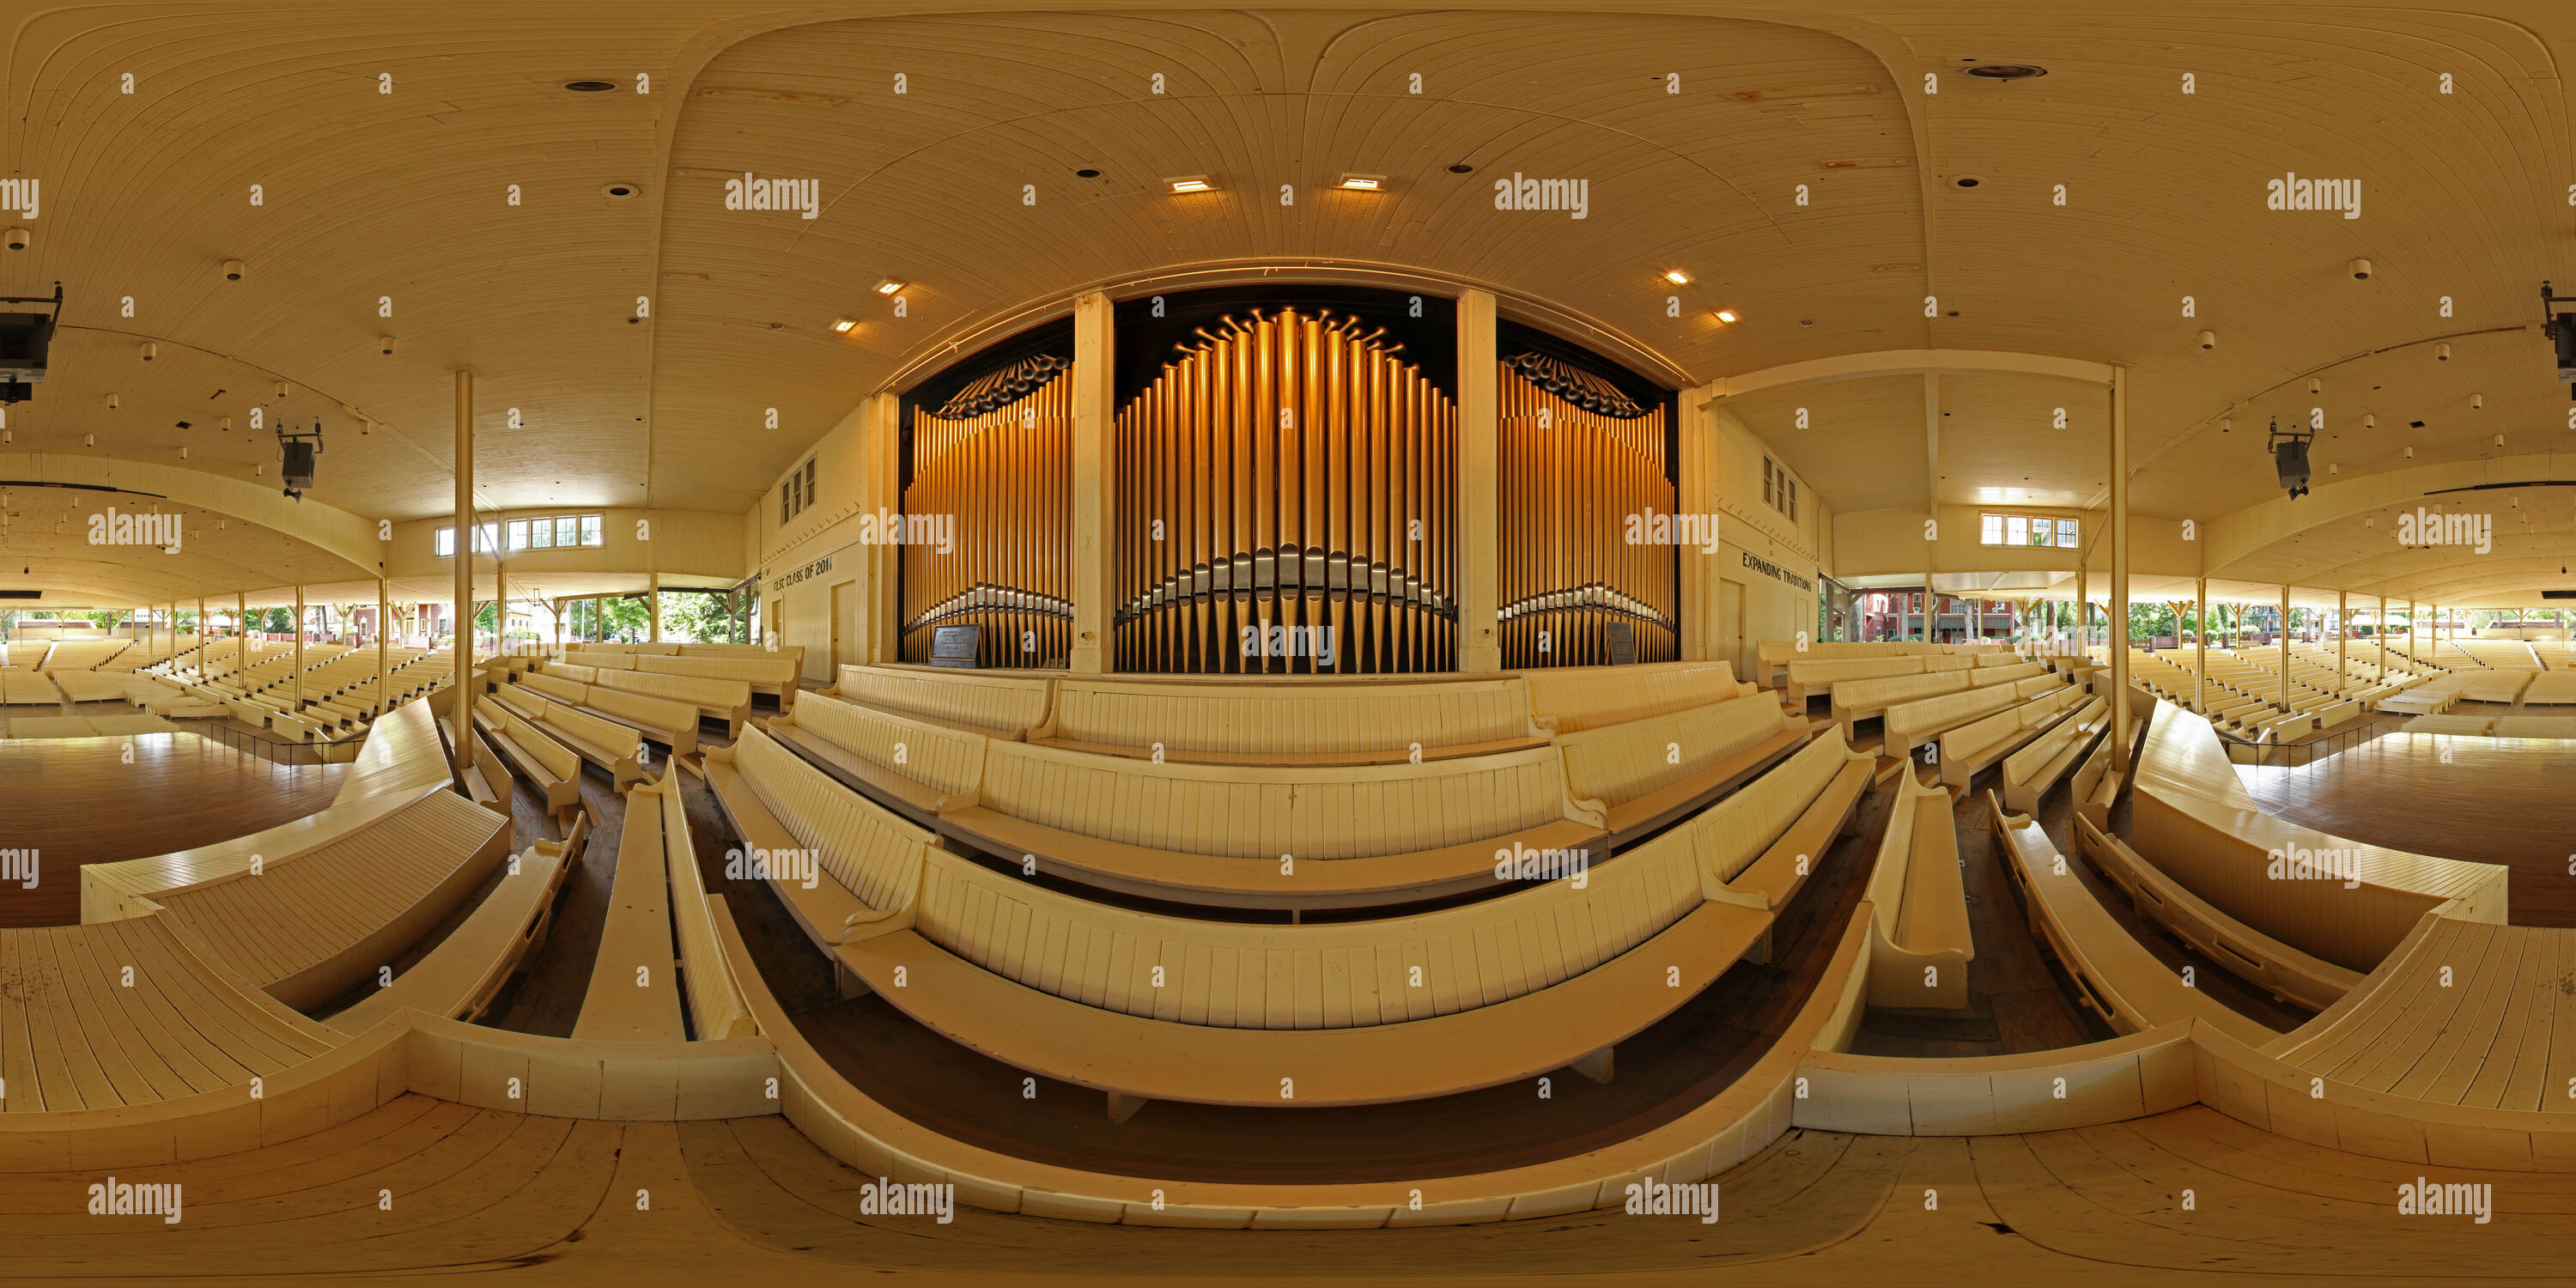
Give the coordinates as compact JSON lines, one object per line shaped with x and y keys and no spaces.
{"x":424,"y":1188}
{"x":99,"y":800}
{"x":2487,"y":800}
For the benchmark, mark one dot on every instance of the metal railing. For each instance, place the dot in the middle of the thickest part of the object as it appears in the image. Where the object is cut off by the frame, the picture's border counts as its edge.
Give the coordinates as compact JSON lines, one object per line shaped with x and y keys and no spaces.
{"x":276,"y":750}
{"x":2291,"y":755}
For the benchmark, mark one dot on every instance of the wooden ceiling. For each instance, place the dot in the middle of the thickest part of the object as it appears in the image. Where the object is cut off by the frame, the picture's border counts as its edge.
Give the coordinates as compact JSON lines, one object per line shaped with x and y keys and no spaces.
{"x":965,"y":188}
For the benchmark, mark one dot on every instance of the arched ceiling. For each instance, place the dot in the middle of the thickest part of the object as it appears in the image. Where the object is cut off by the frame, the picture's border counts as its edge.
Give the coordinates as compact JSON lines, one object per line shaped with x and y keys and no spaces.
{"x":372,"y":201}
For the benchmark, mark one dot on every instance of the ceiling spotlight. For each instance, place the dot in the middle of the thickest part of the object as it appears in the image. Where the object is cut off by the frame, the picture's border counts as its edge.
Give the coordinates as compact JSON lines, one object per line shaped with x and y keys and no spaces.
{"x":1676,"y":277}
{"x":1191,"y":183}
{"x":2007,"y":71}
{"x":2209,"y":339}
{"x":1363,"y":182}
{"x":150,"y":351}
{"x":844,"y":325}
{"x":234,"y":269}
{"x":1726,"y":315}
{"x":590,"y":86}
{"x":2477,"y":402}
{"x":2370,"y":422}
{"x":889,"y":286}
{"x":2316,"y":386}
{"x":2442,"y":352}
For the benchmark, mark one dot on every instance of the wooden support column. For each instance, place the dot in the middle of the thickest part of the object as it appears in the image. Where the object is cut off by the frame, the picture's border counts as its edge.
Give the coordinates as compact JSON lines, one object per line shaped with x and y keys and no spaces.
{"x":1095,"y":491}
{"x":1931,"y":503}
{"x":299,"y":648}
{"x":241,"y":626}
{"x":2380,"y":629}
{"x":881,"y":465}
{"x":2119,"y":642}
{"x":2343,"y":634}
{"x":464,"y":731}
{"x":384,"y":603}
{"x":1479,"y":533}
{"x":500,"y":589}
{"x":2285,"y":648}
{"x":2200,"y":645}
{"x":1697,"y":493}
{"x":653,"y":607}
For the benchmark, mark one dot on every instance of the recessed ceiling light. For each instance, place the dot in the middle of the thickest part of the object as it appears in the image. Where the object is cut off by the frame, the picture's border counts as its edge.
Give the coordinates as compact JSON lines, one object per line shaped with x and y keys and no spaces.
{"x":1726,"y":315}
{"x":1676,"y":277}
{"x":1086,"y":173}
{"x":590,"y":86}
{"x":889,"y":286}
{"x":1462,"y":168}
{"x":619,"y":191}
{"x":1192,"y":183}
{"x":845,"y":324}
{"x":1967,"y":181}
{"x":1363,"y":182}
{"x":2006,"y":71}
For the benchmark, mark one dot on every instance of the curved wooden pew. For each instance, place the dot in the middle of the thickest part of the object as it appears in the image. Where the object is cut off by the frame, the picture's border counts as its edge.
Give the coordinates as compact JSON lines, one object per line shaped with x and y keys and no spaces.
{"x":1272,"y":837}
{"x":2194,"y":820}
{"x":1858,"y":700}
{"x":1573,"y":699}
{"x":913,"y":767}
{"x":549,"y":766}
{"x":715,"y":699}
{"x":1984,"y":742}
{"x":634,"y":993}
{"x":458,"y":978}
{"x":310,"y":926}
{"x":2283,"y":971}
{"x":2115,"y":976}
{"x":1912,"y":724}
{"x":1027,"y":974}
{"x":2131,"y":1076}
{"x":1650,"y":772}
{"x":1920,"y":946}
{"x":998,"y":706}
{"x":1289,"y":724}
{"x":2030,"y":772}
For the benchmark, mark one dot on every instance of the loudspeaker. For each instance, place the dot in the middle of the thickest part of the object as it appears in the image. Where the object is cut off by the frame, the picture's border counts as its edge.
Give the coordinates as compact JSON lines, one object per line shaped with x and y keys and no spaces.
{"x":2290,"y":456}
{"x":297,"y":466}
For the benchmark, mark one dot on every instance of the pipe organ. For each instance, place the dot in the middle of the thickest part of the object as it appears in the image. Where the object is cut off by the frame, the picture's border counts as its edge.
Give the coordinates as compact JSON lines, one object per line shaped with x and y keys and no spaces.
{"x":1584,"y":481}
{"x":1286,"y":503}
{"x":994,"y":462}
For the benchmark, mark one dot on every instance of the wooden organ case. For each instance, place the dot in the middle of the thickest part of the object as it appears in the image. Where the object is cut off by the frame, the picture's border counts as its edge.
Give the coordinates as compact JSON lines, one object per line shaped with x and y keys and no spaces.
{"x":1580,"y":460}
{"x":996,"y":460}
{"x":1286,"y":504}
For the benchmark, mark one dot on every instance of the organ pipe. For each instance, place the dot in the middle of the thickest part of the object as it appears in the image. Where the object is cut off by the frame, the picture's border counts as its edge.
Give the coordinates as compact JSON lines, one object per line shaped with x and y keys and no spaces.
{"x":995,"y":461}
{"x":1286,"y":505}
{"x":1579,"y":461}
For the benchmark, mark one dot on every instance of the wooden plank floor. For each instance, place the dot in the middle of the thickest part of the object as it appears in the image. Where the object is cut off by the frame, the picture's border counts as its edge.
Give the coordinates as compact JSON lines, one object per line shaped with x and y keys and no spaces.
{"x":2485,"y":800}
{"x":475,"y":1192}
{"x":170,"y":792}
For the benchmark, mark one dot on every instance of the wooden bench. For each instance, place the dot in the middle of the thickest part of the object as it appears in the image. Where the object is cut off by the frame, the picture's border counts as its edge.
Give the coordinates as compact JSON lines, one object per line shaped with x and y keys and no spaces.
{"x":1857,"y":700}
{"x":1573,"y":699}
{"x":2030,"y":772}
{"x":718,"y":1006}
{"x":2192,"y":817}
{"x":1913,"y":724}
{"x":998,"y":706}
{"x":634,"y":993}
{"x":616,"y":748}
{"x":1979,"y":744}
{"x":2267,"y":963}
{"x":1807,"y":678}
{"x":1272,"y":837}
{"x":553,"y":687}
{"x":777,"y":677}
{"x":1648,"y":773}
{"x":725,"y":700}
{"x":487,"y":778}
{"x":459,"y":978}
{"x":2115,"y":976}
{"x":311,"y":925}
{"x":975,"y":949}
{"x":1284,"y":724}
{"x":673,"y":724}
{"x":913,"y":767}
{"x":1763,"y":842}
{"x":550,"y":767}
{"x":1920,"y":946}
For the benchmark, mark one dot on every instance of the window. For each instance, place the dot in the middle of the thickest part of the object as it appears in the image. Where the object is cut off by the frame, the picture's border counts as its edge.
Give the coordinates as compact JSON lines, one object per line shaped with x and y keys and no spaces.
{"x":2025,"y":530}
{"x":1779,"y":491}
{"x":796,"y":495}
{"x":527,"y":534}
